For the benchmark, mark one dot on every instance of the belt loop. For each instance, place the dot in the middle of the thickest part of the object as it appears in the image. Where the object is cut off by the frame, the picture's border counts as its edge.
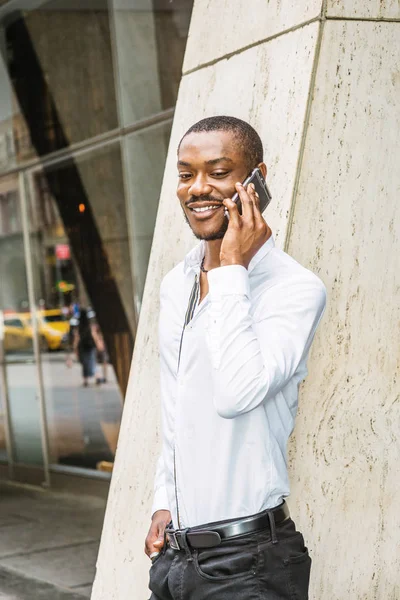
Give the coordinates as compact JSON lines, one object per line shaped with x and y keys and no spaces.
{"x":184,"y":544}
{"x":272,"y":526}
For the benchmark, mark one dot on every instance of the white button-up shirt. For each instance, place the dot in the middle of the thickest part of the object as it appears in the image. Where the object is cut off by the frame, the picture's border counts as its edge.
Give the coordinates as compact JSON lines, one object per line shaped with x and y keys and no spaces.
{"x":230,"y":401}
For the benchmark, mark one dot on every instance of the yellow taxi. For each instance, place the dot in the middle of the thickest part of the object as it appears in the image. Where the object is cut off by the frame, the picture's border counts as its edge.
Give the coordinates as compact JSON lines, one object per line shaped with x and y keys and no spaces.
{"x":55,"y":318}
{"x":18,"y":333}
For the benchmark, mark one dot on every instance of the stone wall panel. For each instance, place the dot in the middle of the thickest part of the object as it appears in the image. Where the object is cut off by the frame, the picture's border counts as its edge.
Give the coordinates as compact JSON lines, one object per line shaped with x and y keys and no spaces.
{"x":360,"y":9}
{"x":223,"y":27}
{"x":345,"y":458}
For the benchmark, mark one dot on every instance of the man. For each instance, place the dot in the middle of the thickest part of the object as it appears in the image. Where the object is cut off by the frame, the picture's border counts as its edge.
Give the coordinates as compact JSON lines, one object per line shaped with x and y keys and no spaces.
{"x":236,"y":323}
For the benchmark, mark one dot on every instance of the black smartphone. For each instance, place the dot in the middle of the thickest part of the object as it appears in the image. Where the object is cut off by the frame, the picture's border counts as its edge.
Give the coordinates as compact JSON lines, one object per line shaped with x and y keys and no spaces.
{"x":256,"y":177}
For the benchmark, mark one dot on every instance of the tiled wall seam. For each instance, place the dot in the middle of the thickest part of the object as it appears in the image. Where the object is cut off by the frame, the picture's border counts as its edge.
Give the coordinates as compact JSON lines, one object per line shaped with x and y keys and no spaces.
{"x":367,"y":19}
{"x":306,"y":123}
{"x":249,"y":46}
{"x":210,"y":63}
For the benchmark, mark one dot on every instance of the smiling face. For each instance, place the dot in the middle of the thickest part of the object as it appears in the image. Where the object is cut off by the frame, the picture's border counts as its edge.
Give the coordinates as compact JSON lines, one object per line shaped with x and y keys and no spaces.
{"x":209,"y":165}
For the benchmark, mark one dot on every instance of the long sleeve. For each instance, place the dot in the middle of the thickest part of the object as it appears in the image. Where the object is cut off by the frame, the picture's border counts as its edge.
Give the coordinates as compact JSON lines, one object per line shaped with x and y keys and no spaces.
{"x":160,"y":501}
{"x":255,"y":355}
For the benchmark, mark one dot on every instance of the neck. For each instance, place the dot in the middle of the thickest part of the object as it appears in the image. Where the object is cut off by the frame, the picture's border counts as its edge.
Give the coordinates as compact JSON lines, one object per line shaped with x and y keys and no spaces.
{"x":213,"y":250}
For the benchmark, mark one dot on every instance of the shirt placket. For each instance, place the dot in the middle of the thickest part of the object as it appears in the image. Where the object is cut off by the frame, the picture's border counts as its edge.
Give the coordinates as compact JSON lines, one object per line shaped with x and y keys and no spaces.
{"x":191,"y":307}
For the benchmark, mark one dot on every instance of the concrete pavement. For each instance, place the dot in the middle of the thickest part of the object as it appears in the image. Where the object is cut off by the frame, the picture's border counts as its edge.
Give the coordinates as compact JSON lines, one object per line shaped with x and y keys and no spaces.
{"x":48,"y":544}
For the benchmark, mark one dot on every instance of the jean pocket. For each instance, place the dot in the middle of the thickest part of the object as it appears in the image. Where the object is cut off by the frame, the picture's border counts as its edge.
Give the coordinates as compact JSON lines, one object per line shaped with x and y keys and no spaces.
{"x":298,"y":567}
{"x":225,"y":563}
{"x":297,"y":558}
{"x":158,"y":575}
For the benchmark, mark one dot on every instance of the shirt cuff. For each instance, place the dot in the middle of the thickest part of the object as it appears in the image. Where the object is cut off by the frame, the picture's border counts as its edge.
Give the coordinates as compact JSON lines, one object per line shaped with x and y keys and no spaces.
{"x":160,"y":501}
{"x":228,"y":281}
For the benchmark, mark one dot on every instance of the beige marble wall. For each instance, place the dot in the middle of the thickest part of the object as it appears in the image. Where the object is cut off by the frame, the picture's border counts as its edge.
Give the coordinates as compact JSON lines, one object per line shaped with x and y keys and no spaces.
{"x":364,"y":9}
{"x":345,"y":457}
{"x":328,"y":116}
{"x":225,"y":27}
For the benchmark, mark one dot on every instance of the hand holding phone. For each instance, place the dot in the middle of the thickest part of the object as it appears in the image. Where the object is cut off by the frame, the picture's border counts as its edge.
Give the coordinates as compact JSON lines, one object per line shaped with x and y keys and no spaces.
{"x":260,"y":187}
{"x":247,"y":230}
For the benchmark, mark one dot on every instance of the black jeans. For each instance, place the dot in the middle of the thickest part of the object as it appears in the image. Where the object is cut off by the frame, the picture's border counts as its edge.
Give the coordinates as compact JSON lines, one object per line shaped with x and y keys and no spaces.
{"x":254,"y":566}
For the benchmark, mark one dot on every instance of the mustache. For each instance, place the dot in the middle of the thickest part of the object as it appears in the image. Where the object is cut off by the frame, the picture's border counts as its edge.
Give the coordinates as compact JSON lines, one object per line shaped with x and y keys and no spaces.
{"x":203,"y":198}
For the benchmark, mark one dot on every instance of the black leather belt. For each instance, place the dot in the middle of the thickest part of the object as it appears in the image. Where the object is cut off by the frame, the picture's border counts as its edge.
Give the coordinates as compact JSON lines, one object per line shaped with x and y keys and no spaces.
{"x":207,"y":536}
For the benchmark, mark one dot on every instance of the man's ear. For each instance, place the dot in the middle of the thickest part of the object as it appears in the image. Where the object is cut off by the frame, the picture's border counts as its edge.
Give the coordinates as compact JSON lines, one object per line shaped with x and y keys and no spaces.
{"x":263,"y":168}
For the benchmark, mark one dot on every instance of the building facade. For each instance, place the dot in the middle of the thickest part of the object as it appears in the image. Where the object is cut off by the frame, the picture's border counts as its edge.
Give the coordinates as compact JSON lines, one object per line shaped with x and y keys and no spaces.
{"x":87,"y":94}
{"x":320,"y":81}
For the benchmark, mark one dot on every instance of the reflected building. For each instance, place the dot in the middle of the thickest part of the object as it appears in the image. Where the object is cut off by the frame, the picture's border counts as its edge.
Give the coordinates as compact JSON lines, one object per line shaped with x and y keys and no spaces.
{"x":87,"y":92}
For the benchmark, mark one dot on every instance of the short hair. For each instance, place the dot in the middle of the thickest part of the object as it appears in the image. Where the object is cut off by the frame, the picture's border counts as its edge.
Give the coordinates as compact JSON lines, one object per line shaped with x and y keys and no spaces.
{"x":246,"y":135}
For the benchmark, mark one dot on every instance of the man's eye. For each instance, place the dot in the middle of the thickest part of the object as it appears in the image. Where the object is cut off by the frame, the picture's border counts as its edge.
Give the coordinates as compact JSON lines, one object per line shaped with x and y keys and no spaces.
{"x":184,"y":176}
{"x":219,"y":173}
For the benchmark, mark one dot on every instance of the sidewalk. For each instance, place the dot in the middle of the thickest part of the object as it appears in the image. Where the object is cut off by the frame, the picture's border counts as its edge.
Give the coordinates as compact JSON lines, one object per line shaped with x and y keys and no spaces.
{"x":48,"y":544}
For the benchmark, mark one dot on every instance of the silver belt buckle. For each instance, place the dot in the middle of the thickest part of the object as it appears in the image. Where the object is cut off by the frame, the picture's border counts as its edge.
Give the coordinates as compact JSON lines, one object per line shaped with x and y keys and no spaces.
{"x":173,"y":542}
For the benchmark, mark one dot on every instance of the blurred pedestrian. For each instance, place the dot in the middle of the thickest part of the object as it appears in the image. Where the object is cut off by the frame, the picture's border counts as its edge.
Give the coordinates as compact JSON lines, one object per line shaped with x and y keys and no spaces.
{"x":86,"y":344}
{"x":73,"y":324}
{"x":102,"y":357}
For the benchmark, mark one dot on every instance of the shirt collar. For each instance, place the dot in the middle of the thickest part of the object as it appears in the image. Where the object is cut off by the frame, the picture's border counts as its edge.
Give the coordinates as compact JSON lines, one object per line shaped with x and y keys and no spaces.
{"x":195,"y":256}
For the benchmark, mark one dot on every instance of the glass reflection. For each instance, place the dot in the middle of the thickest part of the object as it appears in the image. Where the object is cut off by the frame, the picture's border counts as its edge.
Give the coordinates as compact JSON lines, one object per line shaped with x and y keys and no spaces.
{"x":146,"y":151}
{"x":17,"y":368}
{"x":63,"y":64}
{"x":84,"y":292}
{"x":3,"y":391}
{"x":56,"y":77}
{"x":150,"y":40}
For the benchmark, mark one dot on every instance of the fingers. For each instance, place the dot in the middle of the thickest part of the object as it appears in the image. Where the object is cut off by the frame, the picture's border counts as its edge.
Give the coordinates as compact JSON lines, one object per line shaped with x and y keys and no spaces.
{"x":159,"y":543}
{"x":250,"y":205}
{"x":155,"y":538}
{"x":154,"y":541}
{"x":247,"y":202}
{"x":256,"y":201}
{"x":251,"y":190}
{"x":234,"y":217}
{"x":153,"y":545}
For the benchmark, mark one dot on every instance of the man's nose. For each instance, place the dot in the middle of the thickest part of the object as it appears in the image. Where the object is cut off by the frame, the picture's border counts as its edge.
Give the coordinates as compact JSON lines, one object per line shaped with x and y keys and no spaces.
{"x":200,"y":187}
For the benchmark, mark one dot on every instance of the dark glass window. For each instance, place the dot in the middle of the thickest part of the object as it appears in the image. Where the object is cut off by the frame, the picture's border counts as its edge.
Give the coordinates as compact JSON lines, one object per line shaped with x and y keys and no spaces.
{"x":86,"y":92}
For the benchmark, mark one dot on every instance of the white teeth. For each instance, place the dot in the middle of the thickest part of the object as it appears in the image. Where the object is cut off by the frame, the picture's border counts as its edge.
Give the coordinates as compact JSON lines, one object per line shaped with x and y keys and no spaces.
{"x":204,"y":208}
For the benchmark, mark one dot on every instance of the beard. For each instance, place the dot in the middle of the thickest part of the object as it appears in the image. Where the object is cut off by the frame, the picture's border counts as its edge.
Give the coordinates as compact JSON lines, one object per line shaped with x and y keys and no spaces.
{"x":219,"y":233}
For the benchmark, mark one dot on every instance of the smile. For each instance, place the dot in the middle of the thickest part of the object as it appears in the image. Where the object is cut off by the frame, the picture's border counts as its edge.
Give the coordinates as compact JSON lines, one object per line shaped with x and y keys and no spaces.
{"x":202,"y":213}
{"x":204,"y":209}
{"x":205,"y":212}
